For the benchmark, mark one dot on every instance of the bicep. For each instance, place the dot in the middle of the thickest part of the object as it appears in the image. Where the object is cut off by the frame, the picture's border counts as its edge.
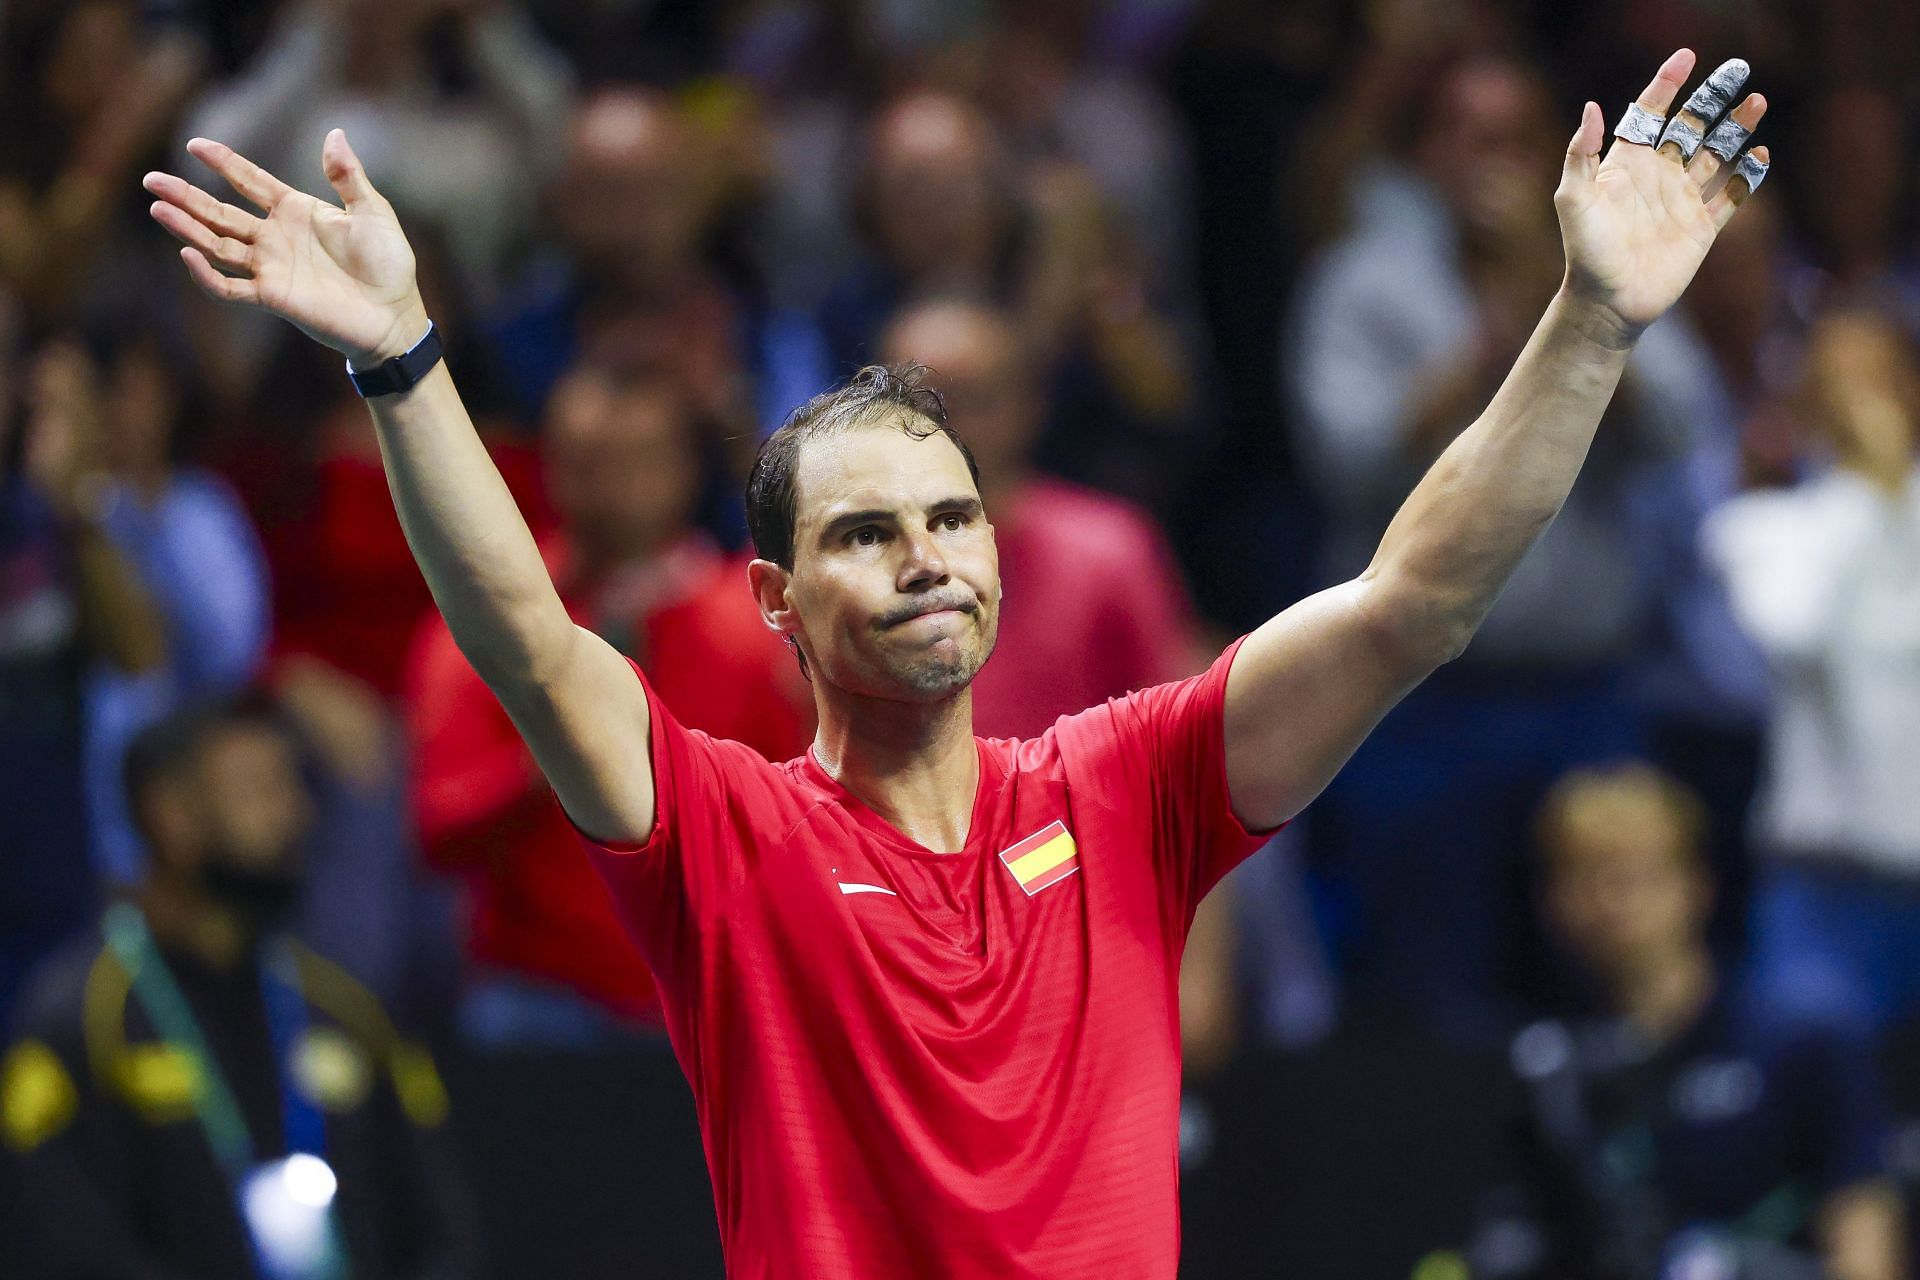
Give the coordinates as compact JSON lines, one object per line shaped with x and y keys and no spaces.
{"x":1304,"y":691}
{"x":588,"y":727}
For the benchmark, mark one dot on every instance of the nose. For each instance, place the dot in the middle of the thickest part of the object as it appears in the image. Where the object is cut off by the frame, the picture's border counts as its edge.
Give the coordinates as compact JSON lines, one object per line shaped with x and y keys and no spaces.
{"x":922,"y":565}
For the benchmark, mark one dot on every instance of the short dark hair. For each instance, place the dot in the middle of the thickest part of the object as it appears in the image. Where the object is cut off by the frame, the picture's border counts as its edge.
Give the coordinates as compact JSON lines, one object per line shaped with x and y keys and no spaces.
{"x":892,"y":395}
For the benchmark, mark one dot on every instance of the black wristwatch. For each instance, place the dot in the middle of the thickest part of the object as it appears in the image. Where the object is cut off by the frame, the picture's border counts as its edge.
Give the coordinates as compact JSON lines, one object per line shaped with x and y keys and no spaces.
{"x":401,"y":372}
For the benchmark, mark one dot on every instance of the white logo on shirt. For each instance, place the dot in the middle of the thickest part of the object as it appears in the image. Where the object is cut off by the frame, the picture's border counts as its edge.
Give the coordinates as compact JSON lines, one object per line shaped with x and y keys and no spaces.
{"x":848,"y":886}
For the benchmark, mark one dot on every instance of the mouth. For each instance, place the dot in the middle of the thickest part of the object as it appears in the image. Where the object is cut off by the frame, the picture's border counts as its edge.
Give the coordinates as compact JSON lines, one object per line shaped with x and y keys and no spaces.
{"x":941,"y":614}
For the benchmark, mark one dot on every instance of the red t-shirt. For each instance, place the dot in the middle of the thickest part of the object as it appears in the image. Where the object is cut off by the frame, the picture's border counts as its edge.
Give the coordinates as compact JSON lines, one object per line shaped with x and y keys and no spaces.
{"x":910,"y":1064}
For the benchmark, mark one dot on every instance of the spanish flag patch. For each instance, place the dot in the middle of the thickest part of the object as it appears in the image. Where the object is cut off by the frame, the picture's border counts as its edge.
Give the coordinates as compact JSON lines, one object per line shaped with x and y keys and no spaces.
{"x":1044,"y":858}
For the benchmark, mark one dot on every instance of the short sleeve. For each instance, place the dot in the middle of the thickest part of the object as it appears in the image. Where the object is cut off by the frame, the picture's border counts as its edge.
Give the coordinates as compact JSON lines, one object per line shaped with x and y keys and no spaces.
{"x":1159,"y":757}
{"x":713,"y":800}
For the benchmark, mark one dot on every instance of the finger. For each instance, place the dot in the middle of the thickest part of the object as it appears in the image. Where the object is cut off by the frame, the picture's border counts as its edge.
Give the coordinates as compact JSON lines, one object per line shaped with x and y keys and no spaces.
{"x":1667,"y":82}
{"x":242,"y":174}
{"x":1688,"y":127}
{"x":1726,"y":141}
{"x":225,"y":250}
{"x":223,"y":288}
{"x":225,"y":219}
{"x":1748,"y":173}
{"x":1583,"y":152}
{"x":344,"y":171}
{"x":1647,"y":115}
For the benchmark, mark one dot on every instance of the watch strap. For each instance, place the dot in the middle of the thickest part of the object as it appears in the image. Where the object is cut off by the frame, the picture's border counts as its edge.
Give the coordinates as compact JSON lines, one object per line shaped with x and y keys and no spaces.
{"x":402,"y":372}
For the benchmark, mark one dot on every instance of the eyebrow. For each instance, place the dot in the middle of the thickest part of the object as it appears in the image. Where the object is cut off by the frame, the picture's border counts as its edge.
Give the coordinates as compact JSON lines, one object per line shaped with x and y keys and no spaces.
{"x":963,"y":504}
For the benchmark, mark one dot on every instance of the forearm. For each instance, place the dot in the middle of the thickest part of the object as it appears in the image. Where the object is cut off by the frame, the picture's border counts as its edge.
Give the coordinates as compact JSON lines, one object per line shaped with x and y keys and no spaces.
{"x":1466,"y":525}
{"x":470,"y":540}
{"x":120,"y":620}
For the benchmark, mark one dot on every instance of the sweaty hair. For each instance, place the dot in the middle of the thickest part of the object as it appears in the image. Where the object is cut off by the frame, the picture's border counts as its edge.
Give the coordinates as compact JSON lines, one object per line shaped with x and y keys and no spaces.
{"x":878,"y":395}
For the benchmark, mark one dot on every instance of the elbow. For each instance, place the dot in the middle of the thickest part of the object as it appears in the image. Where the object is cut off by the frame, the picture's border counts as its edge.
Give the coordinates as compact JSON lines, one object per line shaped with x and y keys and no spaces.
{"x":1416,"y":629}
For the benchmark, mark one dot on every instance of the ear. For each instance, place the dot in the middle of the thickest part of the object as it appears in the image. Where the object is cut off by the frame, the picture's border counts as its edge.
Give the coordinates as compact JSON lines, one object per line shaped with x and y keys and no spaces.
{"x":770,"y":591}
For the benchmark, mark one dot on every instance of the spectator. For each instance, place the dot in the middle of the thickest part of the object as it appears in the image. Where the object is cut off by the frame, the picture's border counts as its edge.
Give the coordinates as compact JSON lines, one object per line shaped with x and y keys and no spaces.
{"x":68,"y":598}
{"x":92,"y":93}
{"x":548,"y":960}
{"x":1824,"y":577}
{"x":196,"y":555}
{"x":464,"y":88}
{"x":633,"y":210}
{"x":1095,"y":607}
{"x":1692,"y":1127}
{"x":1403,"y":330}
{"x":946,"y":213}
{"x":179,"y":1063}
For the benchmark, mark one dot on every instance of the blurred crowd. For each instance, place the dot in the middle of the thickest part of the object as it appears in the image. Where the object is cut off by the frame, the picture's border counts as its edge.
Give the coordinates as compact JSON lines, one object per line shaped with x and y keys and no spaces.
{"x":1206,"y":284}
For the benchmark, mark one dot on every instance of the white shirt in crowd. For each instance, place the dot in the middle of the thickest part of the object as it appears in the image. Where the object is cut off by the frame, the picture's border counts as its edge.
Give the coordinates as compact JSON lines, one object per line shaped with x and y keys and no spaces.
{"x":1826,"y":579}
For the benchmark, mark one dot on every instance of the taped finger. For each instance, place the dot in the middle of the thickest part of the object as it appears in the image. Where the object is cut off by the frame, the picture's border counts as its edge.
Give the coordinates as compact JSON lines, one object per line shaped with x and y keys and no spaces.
{"x":1683,"y":136}
{"x":1727,"y":138}
{"x":1746,"y":176}
{"x":1750,"y":171}
{"x":1712,"y":100}
{"x":1639,"y":126}
{"x":1716,"y":93}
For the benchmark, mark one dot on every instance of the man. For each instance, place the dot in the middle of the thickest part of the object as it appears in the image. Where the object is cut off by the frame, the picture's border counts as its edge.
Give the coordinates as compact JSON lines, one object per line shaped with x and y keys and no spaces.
{"x":1821,"y":575}
{"x":178,"y":1066}
{"x":1098,"y":607}
{"x":631,"y":211}
{"x":924,"y":985}
{"x":549,"y":959}
{"x":1695,"y":1122}
{"x":70,"y":602}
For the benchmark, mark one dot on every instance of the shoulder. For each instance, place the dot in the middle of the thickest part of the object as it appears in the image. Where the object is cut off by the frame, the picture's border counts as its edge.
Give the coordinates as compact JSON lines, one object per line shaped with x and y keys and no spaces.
{"x":54,"y":1002}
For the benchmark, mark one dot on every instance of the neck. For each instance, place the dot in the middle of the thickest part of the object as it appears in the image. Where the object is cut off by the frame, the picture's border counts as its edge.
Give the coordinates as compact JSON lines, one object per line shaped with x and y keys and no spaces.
{"x":914,"y":764}
{"x":1662,"y":999}
{"x":184,"y":916}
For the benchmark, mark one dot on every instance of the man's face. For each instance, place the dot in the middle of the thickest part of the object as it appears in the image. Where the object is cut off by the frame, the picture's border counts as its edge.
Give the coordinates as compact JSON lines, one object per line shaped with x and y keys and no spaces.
{"x":631,"y":198}
{"x":620,"y":463}
{"x":979,"y":373}
{"x":895,"y":589}
{"x":1485,"y":149}
{"x":932,"y":161}
{"x":140,"y":404}
{"x":253,"y":807}
{"x":1624,"y":896}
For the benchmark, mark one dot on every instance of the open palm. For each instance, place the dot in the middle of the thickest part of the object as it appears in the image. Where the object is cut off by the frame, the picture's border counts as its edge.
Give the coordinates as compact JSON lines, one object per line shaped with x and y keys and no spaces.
{"x":1636,"y":224}
{"x":345,"y":276}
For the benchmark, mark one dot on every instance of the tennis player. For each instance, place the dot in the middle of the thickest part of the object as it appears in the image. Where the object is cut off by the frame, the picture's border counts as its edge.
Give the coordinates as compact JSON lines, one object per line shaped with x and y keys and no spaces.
{"x":924,"y":985}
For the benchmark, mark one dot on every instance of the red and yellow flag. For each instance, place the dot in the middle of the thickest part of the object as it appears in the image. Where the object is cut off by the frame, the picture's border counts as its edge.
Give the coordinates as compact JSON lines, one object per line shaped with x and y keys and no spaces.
{"x":1044,"y":858}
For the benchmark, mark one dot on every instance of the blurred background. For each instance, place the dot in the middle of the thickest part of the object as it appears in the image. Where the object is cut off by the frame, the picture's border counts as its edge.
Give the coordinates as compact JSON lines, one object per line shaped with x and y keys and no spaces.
{"x":1602,"y":959}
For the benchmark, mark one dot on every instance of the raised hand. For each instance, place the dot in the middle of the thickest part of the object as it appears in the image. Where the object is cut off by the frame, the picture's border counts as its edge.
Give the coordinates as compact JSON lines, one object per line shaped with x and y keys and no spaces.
{"x":1636,"y":224}
{"x":344,"y":276}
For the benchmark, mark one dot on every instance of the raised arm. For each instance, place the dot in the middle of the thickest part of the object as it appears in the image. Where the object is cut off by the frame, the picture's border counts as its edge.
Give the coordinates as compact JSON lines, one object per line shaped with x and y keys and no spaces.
{"x":1309,"y":685}
{"x":345,"y":277}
